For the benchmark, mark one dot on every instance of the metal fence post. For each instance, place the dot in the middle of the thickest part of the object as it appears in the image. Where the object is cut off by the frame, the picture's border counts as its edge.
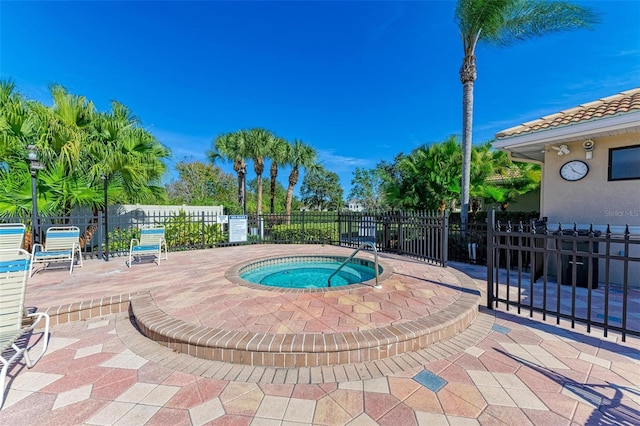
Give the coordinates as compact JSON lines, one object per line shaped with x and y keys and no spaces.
{"x":445,"y":238}
{"x":339,"y":227}
{"x":400,"y":236}
{"x":202,"y":227}
{"x":491,"y":220}
{"x":101,"y":235}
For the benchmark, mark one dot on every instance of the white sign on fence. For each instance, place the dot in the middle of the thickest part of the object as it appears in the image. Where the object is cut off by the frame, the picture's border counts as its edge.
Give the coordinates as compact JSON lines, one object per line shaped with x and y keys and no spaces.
{"x":223,"y":218}
{"x":237,"y":228}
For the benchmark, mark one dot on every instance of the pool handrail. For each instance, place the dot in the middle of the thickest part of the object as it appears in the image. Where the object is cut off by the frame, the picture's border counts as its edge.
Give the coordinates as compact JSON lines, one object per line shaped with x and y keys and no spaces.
{"x":360,"y":247}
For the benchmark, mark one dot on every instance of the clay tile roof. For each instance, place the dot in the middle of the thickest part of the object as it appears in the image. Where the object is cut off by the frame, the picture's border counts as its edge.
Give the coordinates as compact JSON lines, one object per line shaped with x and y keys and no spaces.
{"x":612,"y":105}
{"x":507,"y":175}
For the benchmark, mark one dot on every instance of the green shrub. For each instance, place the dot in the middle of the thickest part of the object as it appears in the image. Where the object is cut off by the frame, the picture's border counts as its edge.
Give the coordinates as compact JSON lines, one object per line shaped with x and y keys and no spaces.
{"x":181,"y":231}
{"x":295,"y":233}
{"x":120,"y":239}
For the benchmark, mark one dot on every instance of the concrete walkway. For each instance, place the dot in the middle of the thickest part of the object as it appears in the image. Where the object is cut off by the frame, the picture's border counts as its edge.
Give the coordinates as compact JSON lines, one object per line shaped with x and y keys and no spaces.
{"x":504,"y":369}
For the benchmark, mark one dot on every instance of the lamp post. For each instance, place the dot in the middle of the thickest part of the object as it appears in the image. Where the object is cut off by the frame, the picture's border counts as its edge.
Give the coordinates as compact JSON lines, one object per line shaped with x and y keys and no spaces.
{"x":105,"y":180}
{"x":34,"y":166}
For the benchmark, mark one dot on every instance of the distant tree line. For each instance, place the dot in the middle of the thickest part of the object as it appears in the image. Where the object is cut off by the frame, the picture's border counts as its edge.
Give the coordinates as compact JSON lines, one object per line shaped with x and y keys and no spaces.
{"x":81,"y":149}
{"x":429,"y":178}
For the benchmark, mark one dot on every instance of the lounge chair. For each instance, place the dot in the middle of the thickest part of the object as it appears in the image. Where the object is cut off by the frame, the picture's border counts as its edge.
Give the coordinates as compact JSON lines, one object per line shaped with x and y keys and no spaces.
{"x":11,"y":235}
{"x":61,"y":244}
{"x":151,"y":242}
{"x":14,"y":268}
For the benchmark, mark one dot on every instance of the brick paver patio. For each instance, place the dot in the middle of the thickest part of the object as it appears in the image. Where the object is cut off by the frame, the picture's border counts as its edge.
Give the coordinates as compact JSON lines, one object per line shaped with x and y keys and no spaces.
{"x":503,"y":369}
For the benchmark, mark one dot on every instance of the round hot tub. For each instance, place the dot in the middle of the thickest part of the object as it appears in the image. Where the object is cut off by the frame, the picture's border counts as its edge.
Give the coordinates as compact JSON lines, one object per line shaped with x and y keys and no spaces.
{"x":308,"y":271}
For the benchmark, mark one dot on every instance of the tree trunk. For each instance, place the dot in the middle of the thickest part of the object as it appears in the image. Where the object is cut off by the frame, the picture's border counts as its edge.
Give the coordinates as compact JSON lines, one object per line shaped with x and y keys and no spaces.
{"x":293,"y":179}
{"x":258,"y":166}
{"x":87,"y":235}
{"x":272,"y":195}
{"x":259,"y":195}
{"x":240,"y":187}
{"x":467,"y":78}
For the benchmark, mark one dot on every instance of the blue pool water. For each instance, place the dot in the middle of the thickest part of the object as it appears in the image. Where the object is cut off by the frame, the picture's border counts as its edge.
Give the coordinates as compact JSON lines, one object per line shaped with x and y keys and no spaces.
{"x":304,"y":274}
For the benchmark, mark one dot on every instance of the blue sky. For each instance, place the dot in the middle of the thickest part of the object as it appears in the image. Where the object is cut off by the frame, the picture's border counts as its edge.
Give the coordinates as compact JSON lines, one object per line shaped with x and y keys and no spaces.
{"x":359,"y":81}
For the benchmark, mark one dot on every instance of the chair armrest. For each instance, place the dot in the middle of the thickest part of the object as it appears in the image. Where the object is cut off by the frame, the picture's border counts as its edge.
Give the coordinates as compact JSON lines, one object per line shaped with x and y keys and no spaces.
{"x":39,"y":316}
{"x":137,"y":243}
{"x":35,"y":246}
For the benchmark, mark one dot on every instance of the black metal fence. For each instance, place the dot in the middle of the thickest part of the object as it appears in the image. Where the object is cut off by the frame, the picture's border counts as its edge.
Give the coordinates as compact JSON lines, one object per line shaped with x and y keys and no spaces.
{"x":418,"y":234}
{"x":584,"y":275}
{"x":421,"y":235}
{"x":470,"y":245}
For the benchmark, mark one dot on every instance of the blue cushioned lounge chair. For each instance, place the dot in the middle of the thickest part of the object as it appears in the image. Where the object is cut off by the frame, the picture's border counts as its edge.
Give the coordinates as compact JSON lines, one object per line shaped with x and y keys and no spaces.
{"x":151,"y":242}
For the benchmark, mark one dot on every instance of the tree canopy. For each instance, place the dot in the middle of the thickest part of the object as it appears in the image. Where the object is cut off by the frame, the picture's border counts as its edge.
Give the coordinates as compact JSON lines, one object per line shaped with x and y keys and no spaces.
{"x":321,"y":190}
{"x":429,"y":177}
{"x":76,"y":145}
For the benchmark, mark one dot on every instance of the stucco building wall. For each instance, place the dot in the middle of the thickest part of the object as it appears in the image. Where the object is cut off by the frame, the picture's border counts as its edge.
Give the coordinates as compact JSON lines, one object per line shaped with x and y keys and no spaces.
{"x":593,"y":199}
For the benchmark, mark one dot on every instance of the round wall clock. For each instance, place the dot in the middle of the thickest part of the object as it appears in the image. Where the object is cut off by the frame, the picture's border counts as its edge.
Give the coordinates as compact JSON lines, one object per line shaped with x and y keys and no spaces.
{"x":574,"y":170}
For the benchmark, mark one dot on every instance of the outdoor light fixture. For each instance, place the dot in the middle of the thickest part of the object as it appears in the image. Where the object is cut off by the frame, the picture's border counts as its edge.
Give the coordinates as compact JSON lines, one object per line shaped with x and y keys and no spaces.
{"x":562,"y":149}
{"x":588,"y":146}
{"x":34,"y":166}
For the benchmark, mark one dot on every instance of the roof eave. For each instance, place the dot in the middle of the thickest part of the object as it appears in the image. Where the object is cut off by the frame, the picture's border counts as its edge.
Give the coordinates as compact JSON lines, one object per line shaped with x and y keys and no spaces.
{"x":592,"y":128}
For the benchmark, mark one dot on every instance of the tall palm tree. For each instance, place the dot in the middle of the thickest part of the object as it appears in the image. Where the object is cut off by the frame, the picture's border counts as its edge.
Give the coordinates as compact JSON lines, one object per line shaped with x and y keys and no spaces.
{"x":278,"y":155}
{"x":299,"y":155}
{"x":259,"y":143}
{"x":232,"y":147}
{"x":503,"y":23}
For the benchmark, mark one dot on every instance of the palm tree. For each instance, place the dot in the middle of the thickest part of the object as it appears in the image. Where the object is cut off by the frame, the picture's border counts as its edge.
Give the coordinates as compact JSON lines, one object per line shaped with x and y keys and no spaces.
{"x":503,"y":23}
{"x":17,"y":125}
{"x":278,"y":155}
{"x":66,"y":127}
{"x":77,"y":145}
{"x":232,"y":147}
{"x":299,"y":155}
{"x":259,"y":143}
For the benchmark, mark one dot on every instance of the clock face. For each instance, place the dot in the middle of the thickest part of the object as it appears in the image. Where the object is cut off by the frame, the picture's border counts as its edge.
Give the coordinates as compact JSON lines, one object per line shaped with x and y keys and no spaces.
{"x":574,"y":170}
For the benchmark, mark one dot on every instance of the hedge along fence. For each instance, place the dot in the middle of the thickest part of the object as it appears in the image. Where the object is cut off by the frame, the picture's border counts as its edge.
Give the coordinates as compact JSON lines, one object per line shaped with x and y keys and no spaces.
{"x":183,"y":231}
{"x":408,"y":233}
{"x":309,"y":233}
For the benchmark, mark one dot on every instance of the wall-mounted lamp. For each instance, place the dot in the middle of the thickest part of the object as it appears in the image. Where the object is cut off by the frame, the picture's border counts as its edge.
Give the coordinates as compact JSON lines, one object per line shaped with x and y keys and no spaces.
{"x":588,"y":146}
{"x":562,"y":149}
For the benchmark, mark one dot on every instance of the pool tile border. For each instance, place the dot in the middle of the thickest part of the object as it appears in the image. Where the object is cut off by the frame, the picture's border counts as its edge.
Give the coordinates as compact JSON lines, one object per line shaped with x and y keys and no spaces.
{"x":305,"y":349}
{"x":233,"y":273}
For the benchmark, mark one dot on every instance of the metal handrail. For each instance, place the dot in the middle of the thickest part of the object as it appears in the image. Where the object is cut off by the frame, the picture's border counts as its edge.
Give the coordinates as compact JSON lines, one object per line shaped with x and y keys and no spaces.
{"x":360,"y":247}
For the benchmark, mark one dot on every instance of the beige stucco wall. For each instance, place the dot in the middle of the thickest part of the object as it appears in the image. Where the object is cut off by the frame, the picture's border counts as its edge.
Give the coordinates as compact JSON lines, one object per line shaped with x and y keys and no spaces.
{"x":592,"y":199}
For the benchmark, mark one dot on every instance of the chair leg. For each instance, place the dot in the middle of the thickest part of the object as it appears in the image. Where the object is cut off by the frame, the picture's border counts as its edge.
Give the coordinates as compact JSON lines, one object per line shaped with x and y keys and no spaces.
{"x":31,"y":362}
{"x":31,"y":266}
{"x":5,"y":366}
